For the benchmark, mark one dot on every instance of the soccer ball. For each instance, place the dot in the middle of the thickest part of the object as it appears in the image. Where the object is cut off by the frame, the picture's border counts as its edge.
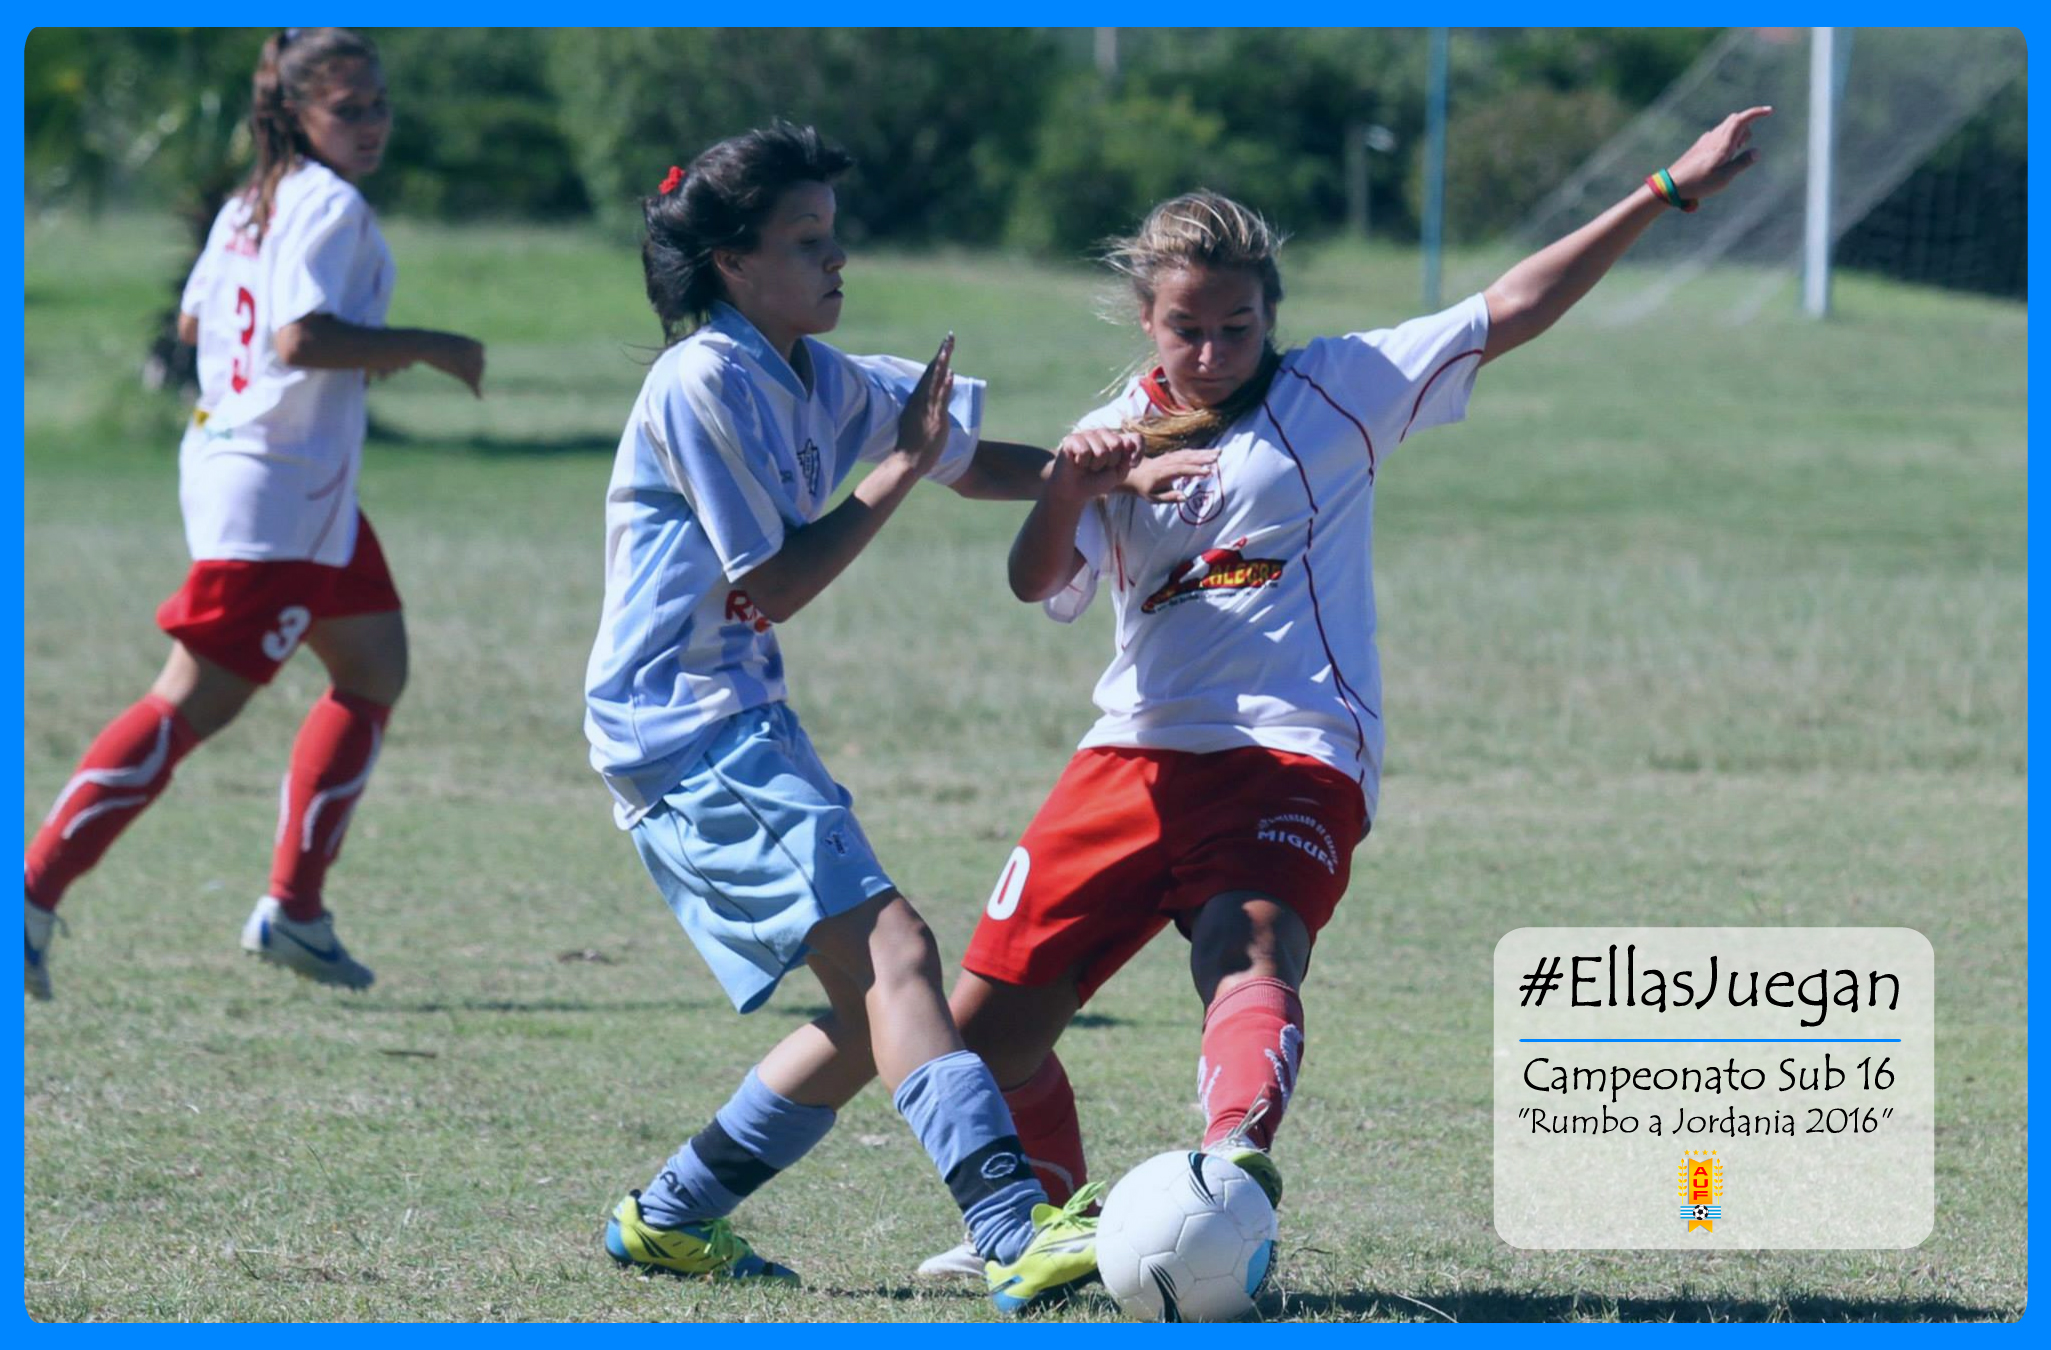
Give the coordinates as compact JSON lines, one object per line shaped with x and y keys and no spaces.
{"x":1185,"y":1237}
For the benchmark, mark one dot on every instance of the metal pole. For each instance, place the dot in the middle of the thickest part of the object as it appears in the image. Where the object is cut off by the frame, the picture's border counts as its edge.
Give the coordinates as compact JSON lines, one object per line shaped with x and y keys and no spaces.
{"x":1435,"y":170}
{"x":1356,"y":177}
{"x":1822,"y":149}
{"x":1107,"y":53}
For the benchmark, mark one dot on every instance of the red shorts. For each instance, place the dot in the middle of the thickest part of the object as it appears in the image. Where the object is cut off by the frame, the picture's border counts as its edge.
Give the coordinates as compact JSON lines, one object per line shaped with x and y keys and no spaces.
{"x":1132,"y":838}
{"x":250,"y":616}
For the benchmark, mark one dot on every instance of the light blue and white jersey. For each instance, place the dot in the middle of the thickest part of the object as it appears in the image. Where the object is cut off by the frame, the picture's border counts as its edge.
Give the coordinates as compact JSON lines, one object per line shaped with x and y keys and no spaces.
{"x":725,"y":451}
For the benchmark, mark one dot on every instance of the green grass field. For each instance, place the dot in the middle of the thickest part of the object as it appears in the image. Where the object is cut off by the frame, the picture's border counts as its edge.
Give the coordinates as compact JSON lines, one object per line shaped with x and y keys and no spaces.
{"x":1690,"y":623}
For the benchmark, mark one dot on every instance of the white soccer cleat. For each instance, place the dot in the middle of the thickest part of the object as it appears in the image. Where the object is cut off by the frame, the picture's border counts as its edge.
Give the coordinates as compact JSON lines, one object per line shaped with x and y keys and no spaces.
{"x":956,"y":1263}
{"x":38,"y":926}
{"x":310,"y":949}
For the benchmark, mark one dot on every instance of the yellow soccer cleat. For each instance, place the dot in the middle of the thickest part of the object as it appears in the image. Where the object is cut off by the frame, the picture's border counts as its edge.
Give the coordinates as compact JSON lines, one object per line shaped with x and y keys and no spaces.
{"x":1242,"y":1154}
{"x":1061,"y":1256}
{"x":710,"y":1249}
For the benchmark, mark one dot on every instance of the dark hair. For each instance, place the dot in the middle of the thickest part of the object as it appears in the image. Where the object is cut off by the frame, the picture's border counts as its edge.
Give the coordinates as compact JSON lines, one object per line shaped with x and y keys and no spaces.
{"x":289,"y":71}
{"x":722,"y":203}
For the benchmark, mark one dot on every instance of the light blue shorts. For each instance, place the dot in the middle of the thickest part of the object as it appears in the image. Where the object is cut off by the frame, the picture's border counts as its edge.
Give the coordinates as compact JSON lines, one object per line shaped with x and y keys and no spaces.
{"x":753,"y":847}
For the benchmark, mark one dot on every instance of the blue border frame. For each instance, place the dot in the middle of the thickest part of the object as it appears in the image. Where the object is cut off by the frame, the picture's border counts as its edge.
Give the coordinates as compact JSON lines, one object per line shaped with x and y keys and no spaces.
{"x":530,"y":11}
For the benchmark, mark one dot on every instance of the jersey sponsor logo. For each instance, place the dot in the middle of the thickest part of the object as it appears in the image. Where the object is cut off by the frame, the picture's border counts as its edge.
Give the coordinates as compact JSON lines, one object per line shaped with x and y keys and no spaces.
{"x":1215,"y":569}
{"x":740,"y":608}
{"x":1301,"y":832}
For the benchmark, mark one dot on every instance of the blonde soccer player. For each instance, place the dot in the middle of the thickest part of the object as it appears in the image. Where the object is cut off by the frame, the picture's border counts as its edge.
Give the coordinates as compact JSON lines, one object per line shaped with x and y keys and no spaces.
{"x":720,"y":527}
{"x":287,"y":306}
{"x":1238,"y":756}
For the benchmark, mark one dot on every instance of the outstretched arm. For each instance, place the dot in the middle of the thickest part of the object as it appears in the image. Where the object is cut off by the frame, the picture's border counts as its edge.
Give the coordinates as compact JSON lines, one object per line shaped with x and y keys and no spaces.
{"x":1004,"y":471}
{"x":324,"y":342}
{"x":1531,"y":297}
{"x":812,"y":556}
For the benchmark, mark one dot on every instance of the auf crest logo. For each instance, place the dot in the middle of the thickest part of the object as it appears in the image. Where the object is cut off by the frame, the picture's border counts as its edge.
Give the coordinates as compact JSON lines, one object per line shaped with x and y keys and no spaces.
{"x":808,"y":461}
{"x":1215,"y":569}
{"x":1701,"y":1178}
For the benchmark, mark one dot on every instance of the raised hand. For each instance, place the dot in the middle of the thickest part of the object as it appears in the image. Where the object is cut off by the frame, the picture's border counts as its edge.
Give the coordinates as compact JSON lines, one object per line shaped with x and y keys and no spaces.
{"x":922,"y":427}
{"x":1091,"y":464}
{"x":1159,"y":478}
{"x":1718,"y":156}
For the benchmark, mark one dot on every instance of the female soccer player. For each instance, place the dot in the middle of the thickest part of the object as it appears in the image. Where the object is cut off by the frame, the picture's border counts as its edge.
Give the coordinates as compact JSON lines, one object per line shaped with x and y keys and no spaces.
{"x":718,"y":528}
{"x":1236,"y":763}
{"x":287,"y":307}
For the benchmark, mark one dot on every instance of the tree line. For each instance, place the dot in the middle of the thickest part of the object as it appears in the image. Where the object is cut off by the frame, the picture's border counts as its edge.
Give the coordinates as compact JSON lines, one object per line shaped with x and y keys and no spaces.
{"x":1040,"y":139}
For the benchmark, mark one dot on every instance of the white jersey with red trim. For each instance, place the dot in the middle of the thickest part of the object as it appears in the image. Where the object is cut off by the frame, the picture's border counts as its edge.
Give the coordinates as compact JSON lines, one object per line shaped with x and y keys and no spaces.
{"x":1245,"y":615}
{"x":268,"y":468}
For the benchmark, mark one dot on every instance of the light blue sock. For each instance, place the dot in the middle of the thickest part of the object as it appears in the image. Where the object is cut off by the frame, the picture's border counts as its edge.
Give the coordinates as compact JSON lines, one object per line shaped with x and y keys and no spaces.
{"x":954,"y":1107}
{"x":753,"y":1137}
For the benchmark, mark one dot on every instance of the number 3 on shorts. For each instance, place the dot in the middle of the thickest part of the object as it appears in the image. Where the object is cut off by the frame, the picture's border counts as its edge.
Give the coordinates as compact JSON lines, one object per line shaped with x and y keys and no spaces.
{"x":292,"y":622}
{"x":1004,"y":900}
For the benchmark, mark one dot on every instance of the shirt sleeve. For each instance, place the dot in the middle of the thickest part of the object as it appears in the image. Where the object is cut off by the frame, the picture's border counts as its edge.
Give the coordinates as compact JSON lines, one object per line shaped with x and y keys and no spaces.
{"x":875,"y":398}
{"x":327,"y":253}
{"x":1090,"y":541}
{"x":197,"y":286}
{"x":1092,"y":536}
{"x":698,"y":427}
{"x":1396,"y":381}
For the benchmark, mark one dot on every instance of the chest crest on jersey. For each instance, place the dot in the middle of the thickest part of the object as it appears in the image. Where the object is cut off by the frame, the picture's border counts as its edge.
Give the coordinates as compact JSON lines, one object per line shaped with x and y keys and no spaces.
{"x":808,"y":464}
{"x":1215,"y":569}
{"x":1202,"y":499}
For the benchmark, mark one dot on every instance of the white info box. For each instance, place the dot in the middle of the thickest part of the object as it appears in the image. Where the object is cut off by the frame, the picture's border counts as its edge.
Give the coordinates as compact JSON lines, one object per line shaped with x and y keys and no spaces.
{"x":1714,"y":1089}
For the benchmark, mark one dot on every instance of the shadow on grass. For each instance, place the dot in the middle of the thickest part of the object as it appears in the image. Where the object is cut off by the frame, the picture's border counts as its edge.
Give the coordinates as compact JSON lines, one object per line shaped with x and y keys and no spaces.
{"x":1506,"y":1305}
{"x":1086,"y":1019}
{"x":538,"y":1005}
{"x":940,"y":1291}
{"x":489,"y":447}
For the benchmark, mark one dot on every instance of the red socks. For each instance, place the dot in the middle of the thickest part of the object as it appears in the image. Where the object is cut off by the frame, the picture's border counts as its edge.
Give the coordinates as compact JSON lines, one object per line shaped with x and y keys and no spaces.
{"x":1043,"y":1113}
{"x":331,"y":761}
{"x":123,"y":771}
{"x":1252,"y":1048}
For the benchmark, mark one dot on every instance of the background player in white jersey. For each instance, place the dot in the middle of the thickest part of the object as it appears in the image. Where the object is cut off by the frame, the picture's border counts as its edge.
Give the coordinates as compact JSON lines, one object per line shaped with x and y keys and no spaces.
{"x":718,"y":528}
{"x":1236,"y":763}
{"x":287,"y":307}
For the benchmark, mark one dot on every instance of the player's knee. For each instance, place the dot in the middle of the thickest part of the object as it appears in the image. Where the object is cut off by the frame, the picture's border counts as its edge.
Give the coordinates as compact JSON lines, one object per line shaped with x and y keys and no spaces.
{"x":902,"y":949}
{"x":380,"y":679}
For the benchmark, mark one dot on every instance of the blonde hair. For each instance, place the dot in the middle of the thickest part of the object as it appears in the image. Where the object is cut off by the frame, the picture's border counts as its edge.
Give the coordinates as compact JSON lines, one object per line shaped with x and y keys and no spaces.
{"x":1210,"y":231}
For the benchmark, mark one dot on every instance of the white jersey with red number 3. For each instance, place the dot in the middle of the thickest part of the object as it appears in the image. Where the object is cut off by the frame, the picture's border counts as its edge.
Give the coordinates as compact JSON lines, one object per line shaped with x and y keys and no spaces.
{"x":268,"y":469}
{"x":1245,"y":614}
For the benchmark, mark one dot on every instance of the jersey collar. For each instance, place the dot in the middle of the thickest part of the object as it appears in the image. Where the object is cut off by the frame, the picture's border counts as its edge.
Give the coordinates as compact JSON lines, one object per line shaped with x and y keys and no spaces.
{"x":1155,"y":385}
{"x":733,"y":324}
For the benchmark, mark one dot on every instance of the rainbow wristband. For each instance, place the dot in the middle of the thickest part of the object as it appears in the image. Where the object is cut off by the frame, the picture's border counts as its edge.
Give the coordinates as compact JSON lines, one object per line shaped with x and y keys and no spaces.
{"x":1662,"y":184}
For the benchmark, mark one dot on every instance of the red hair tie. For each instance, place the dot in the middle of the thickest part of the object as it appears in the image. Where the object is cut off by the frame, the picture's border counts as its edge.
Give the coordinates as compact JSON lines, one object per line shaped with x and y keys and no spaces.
{"x":669,"y":184}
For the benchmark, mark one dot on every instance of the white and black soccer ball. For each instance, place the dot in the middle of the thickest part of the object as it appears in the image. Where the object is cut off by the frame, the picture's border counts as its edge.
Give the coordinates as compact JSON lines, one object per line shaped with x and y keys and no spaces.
{"x":1185,"y":1237}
